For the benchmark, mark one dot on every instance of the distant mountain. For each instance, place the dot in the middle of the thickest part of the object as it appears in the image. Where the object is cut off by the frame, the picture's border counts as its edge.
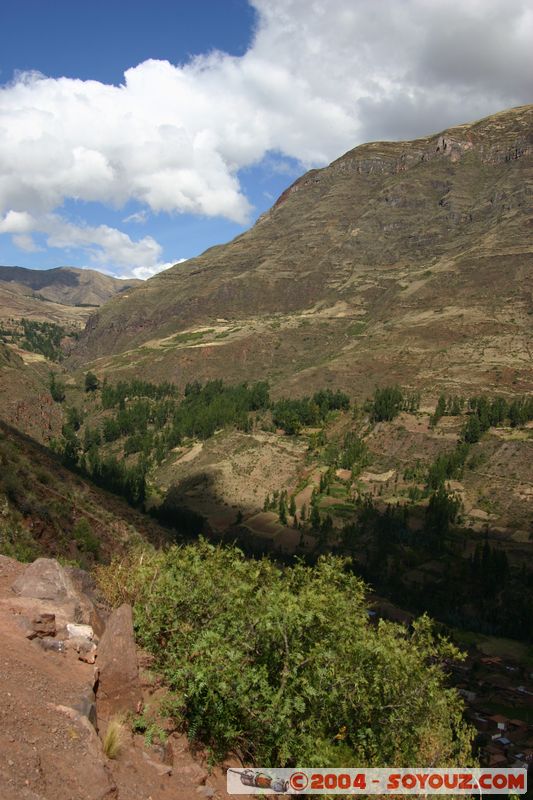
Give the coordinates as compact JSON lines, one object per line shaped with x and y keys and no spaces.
{"x":65,"y":295}
{"x":67,"y":285}
{"x":407,"y":262}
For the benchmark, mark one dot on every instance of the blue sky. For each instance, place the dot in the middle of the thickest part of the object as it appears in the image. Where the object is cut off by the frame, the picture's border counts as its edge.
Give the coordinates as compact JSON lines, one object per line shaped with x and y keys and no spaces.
{"x":99,"y":41}
{"x":138,"y":134}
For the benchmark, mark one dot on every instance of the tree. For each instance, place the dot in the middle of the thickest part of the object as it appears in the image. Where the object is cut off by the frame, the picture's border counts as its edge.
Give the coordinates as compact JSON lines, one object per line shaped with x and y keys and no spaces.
{"x":91,"y":438}
{"x":74,"y":418}
{"x":292,"y":506}
{"x":517,"y":413}
{"x":472,"y":429}
{"x":440,"y":410}
{"x":498,"y":411}
{"x":326,"y":527}
{"x":447,"y":465}
{"x":57,"y":388}
{"x":455,"y":406}
{"x":314,"y":518}
{"x":91,"y":382}
{"x":387,"y":403}
{"x":354,"y":454}
{"x":290,"y":423}
{"x":282,"y":508}
{"x":441,"y":512}
{"x":70,"y":446}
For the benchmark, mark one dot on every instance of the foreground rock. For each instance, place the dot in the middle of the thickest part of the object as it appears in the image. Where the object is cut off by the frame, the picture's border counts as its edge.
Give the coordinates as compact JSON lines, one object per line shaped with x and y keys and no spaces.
{"x":45,"y":579}
{"x":119,"y":689}
{"x":42,"y":625}
{"x":45,"y":587}
{"x":50,"y":748}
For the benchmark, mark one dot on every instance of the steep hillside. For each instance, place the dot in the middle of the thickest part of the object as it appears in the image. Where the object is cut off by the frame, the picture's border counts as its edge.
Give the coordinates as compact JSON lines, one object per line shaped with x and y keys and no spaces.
{"x":25,"y":400}
{"x":46,"y":510}
{"x":403,"y":261}
{"x":41,"y":314}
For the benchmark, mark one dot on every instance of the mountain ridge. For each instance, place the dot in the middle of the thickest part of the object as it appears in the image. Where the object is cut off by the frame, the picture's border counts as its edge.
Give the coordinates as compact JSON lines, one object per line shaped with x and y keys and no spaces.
{"x":386,"y":235}
{"x":67,"y":285}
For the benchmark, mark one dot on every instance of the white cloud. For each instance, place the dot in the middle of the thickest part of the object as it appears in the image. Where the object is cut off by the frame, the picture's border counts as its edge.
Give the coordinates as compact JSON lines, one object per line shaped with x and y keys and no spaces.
{"x":143,"y":273}
{"x":17,"y":222}
{"x":103,"y":244}
{"x":319,"y":77}
{"x":26,"y":242}
{"x":139,"y":217}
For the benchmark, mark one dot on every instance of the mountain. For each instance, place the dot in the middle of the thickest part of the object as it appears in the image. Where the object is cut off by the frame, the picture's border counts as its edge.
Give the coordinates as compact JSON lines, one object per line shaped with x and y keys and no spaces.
{"x":65,"y":295}
{"x":405,"y":262}
{"x":30,"y":300}
{"x":68,"y":285}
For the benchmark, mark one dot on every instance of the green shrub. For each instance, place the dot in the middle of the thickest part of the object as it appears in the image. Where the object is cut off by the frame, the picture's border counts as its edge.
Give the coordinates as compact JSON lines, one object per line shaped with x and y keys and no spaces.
{"x":86,"y":540}
{"x":91,"y":382}
{"x":274,"y":663}
{"x":17,"y":542}
{"x":57,"y":388}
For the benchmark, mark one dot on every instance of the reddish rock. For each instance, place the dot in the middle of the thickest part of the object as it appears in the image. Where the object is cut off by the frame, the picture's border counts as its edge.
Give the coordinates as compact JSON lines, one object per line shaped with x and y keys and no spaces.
{"x":60,"y":590}
{"x":92,"y":612}
{"x":45,"y":579}
{"x":119,"y":688}
{"x":42,"y":625}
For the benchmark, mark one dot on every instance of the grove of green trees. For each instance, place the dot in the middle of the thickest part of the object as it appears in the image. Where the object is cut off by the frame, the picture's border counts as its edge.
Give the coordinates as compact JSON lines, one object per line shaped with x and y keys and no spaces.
{"x":151,"y":419}
{"x":37,"y":337}
{"x":294,"y":414}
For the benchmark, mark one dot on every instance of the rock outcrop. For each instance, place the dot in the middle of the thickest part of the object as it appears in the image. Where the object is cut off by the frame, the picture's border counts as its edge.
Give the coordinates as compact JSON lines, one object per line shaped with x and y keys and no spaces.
{"x":45,"y":579}
{"x":119,"y":689}
{"x":49,"y":745}
{"x":51,"y":738}
{"x":45,"y":587}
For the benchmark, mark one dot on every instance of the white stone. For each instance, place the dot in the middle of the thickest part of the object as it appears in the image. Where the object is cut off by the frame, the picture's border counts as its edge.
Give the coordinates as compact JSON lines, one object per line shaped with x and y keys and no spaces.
{"x":76,"y":630}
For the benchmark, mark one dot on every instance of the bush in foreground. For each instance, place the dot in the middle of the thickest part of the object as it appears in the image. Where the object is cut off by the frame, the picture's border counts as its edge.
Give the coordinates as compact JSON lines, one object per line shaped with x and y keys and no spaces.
{"x":282,"y":666}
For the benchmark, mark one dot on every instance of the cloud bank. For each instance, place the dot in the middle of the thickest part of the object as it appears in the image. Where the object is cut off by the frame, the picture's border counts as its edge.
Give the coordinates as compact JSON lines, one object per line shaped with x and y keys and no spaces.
{"x":102,"y":243}
{"x":319,"y":77}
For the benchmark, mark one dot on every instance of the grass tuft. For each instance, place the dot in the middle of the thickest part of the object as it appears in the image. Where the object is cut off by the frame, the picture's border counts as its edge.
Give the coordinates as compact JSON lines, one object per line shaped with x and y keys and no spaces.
{"x":113,"y":739}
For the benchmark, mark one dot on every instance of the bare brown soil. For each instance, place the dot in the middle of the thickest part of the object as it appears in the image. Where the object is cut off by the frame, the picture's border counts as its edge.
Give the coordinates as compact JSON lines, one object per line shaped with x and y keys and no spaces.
{"x":50,"y":751}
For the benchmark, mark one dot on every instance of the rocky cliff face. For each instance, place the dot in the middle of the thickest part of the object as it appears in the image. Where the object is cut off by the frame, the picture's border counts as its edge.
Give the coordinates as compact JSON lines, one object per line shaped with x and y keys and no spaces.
{"x":404,"y":260}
